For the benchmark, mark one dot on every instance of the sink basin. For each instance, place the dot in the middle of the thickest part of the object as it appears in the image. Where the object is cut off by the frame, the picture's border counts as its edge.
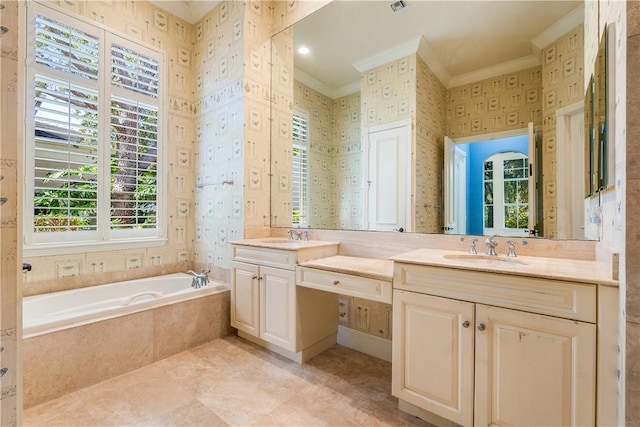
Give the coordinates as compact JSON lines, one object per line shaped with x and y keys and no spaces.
{"x":486,"y":260}
{"x":279,"y":240}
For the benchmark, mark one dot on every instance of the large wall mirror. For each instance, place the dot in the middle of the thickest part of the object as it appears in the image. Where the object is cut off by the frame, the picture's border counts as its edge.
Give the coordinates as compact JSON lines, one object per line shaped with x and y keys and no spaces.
{"x":437,"y":117}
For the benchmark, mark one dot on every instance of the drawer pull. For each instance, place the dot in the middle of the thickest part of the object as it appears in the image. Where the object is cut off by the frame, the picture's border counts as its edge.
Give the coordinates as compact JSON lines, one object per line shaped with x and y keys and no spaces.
{"x":481,"y":326}
{"x":336,"y":282}
{"x":465,"y":324}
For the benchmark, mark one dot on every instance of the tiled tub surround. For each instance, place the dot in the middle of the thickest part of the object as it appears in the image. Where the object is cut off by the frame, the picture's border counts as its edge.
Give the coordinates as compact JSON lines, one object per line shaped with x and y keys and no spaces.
{"x":83,"y":351}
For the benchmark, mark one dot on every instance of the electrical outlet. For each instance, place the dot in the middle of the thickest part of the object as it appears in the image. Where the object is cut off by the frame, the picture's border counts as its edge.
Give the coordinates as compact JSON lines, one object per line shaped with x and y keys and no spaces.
{"x":343,"y":311}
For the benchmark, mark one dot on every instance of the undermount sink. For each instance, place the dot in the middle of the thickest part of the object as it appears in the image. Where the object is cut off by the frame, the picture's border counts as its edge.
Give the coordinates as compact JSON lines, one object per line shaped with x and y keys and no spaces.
{"x":486,"y":260}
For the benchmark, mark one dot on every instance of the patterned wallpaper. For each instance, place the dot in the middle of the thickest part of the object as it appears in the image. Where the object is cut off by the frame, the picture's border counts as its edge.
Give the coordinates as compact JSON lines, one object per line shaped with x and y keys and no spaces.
{"x":10,"y":223}
{"x":562,"y":83}
{"x":496,"y":104}
{"x":221,"y":137}
{"x":335,"y":158}
{"x":431,"y":124}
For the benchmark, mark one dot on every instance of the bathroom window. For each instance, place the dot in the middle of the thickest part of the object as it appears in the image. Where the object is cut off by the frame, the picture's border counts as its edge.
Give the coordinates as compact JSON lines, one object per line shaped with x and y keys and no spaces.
{"x":93,"y":151}
{"x":300,"y":169}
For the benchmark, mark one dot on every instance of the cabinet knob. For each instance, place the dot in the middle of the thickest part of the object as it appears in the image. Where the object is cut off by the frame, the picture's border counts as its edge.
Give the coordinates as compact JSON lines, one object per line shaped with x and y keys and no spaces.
{"x":465,"y":324}
{"x":335,"y":282}
{"x":254,"y":277}
{"x":481,"y":326}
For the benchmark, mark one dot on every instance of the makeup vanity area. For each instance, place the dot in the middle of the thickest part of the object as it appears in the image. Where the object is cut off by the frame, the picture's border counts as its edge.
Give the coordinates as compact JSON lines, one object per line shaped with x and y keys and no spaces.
{"x":524,"y":340}
{"x":476,"y":339}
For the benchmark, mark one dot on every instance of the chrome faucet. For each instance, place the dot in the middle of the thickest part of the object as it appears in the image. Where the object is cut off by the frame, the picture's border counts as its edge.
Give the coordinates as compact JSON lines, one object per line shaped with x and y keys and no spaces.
{"x":472,"y":247}
{"x":298,"y":234}
{"x":511,"y":246}
{"x":491,"y":246}
{"x":199,"y":279}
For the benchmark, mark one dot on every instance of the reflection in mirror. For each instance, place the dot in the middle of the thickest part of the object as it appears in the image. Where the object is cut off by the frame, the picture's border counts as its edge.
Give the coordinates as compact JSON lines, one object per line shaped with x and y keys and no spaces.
{"x":492,"y":190}
{"x":380,"y":95}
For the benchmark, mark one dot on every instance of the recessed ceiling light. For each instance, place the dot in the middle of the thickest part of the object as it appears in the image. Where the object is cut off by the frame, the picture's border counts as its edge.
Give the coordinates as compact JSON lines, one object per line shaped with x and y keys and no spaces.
{"x":397,"y":5}
{"x":303,"y":50}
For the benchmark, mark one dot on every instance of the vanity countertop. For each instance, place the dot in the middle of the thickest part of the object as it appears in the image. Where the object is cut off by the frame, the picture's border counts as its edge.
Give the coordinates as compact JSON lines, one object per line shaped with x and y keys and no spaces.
{"x":548,"y":268}
{"x":283,"y":243}
{"x":381,"y":269}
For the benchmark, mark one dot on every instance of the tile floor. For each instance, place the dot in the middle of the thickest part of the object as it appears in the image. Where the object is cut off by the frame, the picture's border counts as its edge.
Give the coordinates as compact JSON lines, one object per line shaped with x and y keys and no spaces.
{"x":230,"y":381}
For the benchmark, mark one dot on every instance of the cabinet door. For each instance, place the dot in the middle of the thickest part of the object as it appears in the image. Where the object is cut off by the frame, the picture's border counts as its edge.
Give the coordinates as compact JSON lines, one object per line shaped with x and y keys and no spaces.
{"x":245,"y":303}
{"x":533,"y":369}
{"x":433,"y":354}
{"x":277,"y":307}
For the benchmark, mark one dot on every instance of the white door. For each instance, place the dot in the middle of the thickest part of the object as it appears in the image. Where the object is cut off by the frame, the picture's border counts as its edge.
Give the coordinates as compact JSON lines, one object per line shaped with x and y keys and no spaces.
{"x":433,"y":354}
{"x":455,"y":184}
{"x":388,"y":178}
{"x":570,"y":164}
{"x":533,"y":370}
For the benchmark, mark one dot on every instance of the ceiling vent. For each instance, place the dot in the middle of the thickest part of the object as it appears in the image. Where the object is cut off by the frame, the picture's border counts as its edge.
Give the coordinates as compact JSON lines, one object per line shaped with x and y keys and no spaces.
{"x":398,"y":5}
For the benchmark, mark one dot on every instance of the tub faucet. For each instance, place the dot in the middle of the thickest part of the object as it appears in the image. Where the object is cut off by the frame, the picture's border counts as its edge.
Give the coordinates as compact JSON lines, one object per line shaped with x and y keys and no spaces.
{"x":199,"y":279}
{"x":491,"y":245}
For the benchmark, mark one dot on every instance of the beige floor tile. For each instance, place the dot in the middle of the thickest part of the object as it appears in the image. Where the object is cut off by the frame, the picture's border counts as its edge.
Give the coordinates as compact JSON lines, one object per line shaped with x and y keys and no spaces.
{"x":192,"y":414}
{"x":230,"y":381}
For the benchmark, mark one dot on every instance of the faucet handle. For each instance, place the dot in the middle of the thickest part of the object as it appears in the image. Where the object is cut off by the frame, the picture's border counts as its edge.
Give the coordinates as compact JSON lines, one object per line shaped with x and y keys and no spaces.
{"x":472,"y":247}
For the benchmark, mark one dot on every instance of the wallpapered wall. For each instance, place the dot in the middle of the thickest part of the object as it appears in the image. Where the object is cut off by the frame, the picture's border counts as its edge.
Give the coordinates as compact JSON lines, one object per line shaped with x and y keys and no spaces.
{"x":10,"y":223}
{"x":562,"y":83}
{"x":335,"y":158}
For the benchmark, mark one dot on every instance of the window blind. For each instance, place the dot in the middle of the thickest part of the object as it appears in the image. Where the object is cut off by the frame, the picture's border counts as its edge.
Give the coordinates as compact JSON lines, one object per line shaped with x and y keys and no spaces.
{"x":300,"y":170}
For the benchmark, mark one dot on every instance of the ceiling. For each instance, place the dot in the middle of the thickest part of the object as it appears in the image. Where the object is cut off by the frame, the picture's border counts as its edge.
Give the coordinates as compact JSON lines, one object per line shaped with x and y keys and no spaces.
{"x":461,"y":41}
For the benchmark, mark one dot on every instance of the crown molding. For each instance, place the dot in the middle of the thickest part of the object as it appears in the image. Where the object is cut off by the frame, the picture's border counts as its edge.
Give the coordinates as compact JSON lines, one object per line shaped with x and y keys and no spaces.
{"x":558,"y":29}
{"x":495,"y":70}
{"x":386,"y":56}
{"x":191,"y":11}
{"x":327,"y":91}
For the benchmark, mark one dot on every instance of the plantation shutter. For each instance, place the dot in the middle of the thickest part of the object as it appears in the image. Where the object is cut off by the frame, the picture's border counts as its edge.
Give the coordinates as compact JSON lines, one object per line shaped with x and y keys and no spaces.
{"x":300,"y":169}
{"x":66,"y":127}
{"x":94,"y":129}
{"x":134,"y":139}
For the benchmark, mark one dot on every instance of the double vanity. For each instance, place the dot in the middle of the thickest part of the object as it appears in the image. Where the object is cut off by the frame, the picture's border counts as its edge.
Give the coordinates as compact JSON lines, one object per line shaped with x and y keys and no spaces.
{"x":477,"y":340}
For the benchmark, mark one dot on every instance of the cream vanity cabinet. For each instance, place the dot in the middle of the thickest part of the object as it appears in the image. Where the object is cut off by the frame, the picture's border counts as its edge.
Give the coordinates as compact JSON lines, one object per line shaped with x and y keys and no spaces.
{"x":265,"y":305}
{"x":479,"y":348}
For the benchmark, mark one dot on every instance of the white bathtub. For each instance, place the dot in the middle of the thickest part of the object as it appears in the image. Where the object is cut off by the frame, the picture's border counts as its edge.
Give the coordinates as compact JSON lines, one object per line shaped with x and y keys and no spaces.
{"x":55,"y":311}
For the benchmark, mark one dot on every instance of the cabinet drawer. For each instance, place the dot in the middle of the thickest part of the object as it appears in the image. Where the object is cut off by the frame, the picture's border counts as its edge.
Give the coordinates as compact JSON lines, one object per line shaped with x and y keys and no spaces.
{"x":265,"y":256}
{"x":344,"y":284}
{"x":559,"y":298}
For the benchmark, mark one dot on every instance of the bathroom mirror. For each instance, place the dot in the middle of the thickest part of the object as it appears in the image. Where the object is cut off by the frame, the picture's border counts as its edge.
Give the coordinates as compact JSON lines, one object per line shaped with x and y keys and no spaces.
{"x":328,"y":121}
{"x":597,"y":141}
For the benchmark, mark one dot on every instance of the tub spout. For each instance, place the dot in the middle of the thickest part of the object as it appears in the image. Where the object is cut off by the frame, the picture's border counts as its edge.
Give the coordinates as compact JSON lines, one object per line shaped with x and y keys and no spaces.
{"x":199,"y":279}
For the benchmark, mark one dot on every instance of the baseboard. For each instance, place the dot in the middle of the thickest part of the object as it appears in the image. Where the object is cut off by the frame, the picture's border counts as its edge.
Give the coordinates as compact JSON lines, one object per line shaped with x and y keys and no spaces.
{"x":365,"y":343}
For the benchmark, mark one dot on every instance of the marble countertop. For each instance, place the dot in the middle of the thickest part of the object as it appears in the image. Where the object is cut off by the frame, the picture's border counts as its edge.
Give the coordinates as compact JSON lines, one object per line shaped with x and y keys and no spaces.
{"x":548,"y":268}
{"x":283,"y":243}
{"x":380,"y":269}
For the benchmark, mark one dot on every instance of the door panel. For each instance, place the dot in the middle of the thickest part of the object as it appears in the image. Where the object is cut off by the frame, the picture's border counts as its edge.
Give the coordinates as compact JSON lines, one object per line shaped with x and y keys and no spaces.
{"x":277,"y":304}
{"x":387,"y":168}
{"x":433,"y":354}
{"x":245,"y":297}
{"x":533,"y":369}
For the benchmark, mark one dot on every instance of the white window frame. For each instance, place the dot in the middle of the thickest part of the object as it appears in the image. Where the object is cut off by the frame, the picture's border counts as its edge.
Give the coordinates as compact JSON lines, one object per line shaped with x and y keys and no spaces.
{"x":43,"y":243}
{"x":304,"y":218}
